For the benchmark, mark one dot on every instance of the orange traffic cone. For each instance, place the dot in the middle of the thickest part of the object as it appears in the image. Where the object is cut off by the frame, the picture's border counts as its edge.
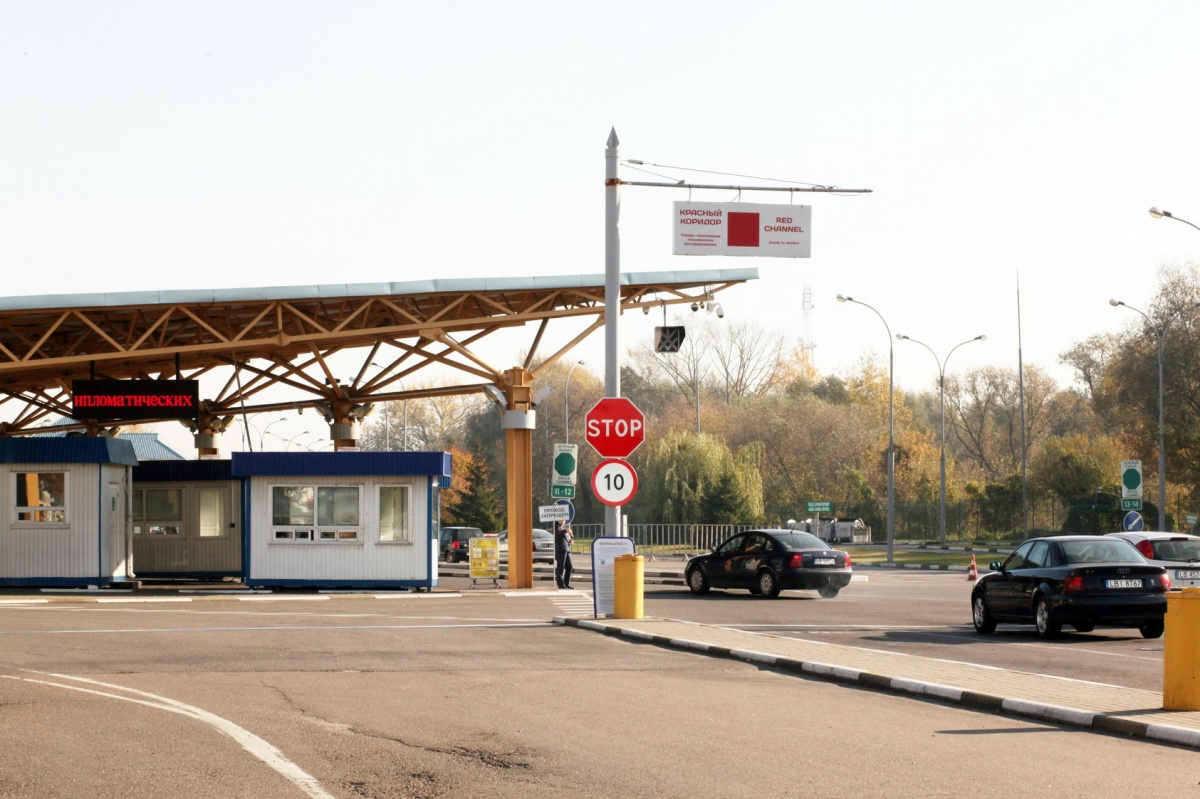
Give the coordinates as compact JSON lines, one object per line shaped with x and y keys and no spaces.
{"x":972,"y":570}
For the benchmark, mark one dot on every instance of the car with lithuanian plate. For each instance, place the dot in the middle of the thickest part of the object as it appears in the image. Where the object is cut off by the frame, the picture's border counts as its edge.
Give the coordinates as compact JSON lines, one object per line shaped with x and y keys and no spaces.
{"x":1178,"y":553}
{"x":766,"y":562}
{"x":1083,"y":581}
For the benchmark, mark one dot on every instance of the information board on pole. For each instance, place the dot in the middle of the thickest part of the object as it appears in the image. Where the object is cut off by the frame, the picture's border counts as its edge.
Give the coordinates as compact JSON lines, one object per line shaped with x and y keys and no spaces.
{"x":605,"y":551}
{"x":754,"y":229}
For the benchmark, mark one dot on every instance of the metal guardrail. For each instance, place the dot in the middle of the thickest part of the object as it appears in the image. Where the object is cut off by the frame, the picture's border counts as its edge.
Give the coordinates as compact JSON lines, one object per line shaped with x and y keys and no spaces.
{"x":663,"y":539}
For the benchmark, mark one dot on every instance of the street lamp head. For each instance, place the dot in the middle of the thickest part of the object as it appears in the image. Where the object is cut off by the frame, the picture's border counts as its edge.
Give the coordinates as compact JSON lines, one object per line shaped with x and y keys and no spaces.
{"x":1115,"y":303}
{"x":981,"y":337}
{"x":844,"y":298}
{"x":1157,"y":214}
{"x":902,"y":337}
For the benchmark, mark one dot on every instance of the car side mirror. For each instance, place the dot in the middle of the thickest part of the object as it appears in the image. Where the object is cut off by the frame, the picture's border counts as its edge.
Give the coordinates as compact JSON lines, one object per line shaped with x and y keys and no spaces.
{"x":996,"y":566}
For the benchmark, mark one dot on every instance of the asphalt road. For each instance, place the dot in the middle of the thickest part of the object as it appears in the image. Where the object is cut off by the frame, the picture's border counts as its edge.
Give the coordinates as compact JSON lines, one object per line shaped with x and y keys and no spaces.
{"x":438,"y":696}
{"x":921,"y":613}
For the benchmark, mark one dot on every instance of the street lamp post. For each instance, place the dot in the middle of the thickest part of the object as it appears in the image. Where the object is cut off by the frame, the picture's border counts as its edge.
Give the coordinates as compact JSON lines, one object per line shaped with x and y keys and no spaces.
{"x":942,"y":393}
{"x":891,"y":451}
{"x":1157,"y":214}
{"x":567,"y":404}
{"x":263,"y":434}
{"x":1161,"y":332}
{"x":287,"y":447}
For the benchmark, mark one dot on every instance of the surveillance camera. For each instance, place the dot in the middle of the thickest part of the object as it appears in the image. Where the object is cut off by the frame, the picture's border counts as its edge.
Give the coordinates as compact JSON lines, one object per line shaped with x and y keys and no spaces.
{"x":646,"y":310}
{"x":540,"y":396}
{"x":720,"y":311}
{"x":695,"y":307}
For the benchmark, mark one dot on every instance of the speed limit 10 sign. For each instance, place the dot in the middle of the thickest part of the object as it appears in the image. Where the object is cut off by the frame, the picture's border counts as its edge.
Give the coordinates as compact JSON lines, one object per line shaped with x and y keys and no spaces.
{"x":614,"y":482}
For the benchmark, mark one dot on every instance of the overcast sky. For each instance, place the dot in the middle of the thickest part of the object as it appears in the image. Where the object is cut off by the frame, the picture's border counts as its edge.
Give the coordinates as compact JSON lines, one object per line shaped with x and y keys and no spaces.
{"x":152,"y":145}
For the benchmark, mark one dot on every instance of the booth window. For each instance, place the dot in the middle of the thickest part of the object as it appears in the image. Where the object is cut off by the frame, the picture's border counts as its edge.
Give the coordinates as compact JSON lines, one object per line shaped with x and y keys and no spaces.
{"x":333,"y":511}
{"x":42,"y":497}
{"x":393,"y":514}
{"x":158,"y":511}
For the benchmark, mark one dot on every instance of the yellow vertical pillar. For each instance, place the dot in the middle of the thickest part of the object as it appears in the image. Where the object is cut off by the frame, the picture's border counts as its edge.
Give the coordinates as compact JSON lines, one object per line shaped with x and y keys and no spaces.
{"x":518,"y":423}
{"x":1181,"y":651}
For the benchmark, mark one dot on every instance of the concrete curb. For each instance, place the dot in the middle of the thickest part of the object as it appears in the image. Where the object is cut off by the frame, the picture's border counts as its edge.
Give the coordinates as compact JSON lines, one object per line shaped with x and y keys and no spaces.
{"x":1102,"y":722}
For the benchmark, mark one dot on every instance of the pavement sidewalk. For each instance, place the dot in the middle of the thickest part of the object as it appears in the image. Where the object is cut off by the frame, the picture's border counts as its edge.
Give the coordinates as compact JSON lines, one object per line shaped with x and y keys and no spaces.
{"x":1095,"y":706}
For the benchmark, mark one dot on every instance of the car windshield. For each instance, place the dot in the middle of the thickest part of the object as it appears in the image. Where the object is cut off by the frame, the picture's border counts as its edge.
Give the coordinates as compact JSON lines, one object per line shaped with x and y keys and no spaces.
{"x":1187,"y":551}
{"x":800,"y":541}
{"x":1115,"y":551}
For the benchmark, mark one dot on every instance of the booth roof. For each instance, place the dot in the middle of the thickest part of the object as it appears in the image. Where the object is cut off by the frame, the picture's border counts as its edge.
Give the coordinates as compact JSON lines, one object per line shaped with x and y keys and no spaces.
{"x":341,"y":464}
{"x":68,"y":449}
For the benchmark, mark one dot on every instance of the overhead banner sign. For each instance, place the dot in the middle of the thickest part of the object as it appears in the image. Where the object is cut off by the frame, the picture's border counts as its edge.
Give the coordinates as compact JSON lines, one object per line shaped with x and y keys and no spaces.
{"x":127,"y":400}
{"x":780,"y":231}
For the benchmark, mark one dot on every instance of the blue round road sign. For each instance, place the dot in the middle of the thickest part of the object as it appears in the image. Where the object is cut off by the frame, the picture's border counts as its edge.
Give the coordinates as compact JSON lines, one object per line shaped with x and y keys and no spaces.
{"x":570,"y":508}
{"x":1132,"y":522}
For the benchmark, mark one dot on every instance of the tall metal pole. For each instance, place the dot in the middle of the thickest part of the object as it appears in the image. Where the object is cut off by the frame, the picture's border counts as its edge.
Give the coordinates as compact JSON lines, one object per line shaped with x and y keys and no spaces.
{"x":941,"y":364}
{"x":891,"y":450}
{"x":567,"y":404}
{"x":1021,"y":394}
{"x":612,"y":294}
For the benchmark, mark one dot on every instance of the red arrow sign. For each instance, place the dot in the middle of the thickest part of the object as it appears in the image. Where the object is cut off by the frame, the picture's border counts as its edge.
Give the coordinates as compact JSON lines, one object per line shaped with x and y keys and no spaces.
{"x":615,"y":427}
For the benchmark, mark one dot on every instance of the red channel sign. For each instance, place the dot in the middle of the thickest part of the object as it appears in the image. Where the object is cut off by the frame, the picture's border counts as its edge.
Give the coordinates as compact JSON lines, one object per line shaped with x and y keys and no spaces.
{"x":614,"y":427}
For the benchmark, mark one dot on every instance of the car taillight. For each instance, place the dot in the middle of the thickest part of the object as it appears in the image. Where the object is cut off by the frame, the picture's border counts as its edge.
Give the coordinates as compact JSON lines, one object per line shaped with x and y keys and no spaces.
{"x":1144,"y":547}
{"x":1165,"y":581}
{"x":456,"y":545}
{"x":796,"y":562}
{"x":848,"y":562}
{"x":1074,"y":582}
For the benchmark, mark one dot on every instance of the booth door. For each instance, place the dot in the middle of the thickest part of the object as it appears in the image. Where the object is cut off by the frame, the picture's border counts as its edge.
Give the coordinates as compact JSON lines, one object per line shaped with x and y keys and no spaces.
{"x":186,"y":530}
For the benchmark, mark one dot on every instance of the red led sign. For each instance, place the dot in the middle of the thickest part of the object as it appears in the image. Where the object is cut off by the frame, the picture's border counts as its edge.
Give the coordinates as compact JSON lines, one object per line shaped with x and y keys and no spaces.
{"x":128,"y":400}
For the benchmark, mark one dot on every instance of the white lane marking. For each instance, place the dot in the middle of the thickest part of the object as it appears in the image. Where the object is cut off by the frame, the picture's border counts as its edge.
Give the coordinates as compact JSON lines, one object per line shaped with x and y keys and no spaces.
{"x":252,"y":743}
{"x":498,"y":626}
{"x":24,"y":601}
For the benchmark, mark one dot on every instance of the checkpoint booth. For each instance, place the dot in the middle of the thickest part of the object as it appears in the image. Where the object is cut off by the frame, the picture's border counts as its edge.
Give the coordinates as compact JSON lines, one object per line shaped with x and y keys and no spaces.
{"x":341,"y":519}
{"x":64,"y":510}
{"x":186,"y":520}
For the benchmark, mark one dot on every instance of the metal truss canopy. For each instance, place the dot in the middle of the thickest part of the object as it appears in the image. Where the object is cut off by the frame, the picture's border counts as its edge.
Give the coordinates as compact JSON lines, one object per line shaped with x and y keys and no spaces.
{"x":255,"y":339}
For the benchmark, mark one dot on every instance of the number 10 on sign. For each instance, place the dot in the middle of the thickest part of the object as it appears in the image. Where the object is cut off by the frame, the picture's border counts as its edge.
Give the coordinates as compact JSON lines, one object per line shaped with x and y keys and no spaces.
{"x":614,"y":482}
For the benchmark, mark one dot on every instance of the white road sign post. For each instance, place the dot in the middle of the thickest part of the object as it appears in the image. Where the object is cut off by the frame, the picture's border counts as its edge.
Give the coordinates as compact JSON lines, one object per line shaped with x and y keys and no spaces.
{"x":566,"y":461}
{"x":1131,"y":485}
{"x":614,"y":482}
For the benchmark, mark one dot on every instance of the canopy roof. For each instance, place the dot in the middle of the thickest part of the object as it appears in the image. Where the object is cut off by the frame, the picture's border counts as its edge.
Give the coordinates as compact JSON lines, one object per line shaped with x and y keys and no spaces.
{"x":257,"y":338}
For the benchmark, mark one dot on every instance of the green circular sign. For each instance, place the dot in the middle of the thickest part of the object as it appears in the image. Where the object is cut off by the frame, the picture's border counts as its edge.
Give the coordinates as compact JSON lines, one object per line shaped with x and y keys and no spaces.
{"x":1131,"y":479}
{"x":564,"y":463}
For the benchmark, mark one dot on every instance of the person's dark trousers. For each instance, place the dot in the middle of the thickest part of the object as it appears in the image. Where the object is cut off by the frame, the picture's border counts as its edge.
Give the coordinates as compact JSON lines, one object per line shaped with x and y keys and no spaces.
{"x":562,"y":569}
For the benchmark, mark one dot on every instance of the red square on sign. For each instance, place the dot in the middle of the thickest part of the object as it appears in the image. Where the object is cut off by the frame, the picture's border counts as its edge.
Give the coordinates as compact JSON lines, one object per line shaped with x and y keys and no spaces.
{"x":743,"y":229}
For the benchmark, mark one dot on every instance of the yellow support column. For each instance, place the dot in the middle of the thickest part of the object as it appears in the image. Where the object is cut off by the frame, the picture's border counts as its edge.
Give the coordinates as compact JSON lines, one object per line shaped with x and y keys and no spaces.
{"x":1181,"y":651}
{"x":518,"y":422}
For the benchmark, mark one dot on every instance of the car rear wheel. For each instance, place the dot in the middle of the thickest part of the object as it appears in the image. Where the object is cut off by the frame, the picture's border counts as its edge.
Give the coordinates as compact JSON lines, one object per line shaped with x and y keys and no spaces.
{"x":696,"y":581}
{"x":828,"y":591}
{"x":768,"y":584}
{"x":981,"y":616}
{"x":1047,"y":627}
{"x":1152,"y":629}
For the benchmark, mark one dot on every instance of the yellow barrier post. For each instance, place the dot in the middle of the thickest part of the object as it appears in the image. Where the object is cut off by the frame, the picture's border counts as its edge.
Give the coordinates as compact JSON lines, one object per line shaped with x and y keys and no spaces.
{"x":628,"y":574}
{"x":1181,"y":651}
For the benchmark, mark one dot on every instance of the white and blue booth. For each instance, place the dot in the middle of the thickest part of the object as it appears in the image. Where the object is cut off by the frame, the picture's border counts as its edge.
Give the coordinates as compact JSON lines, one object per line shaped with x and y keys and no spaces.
{"x":65,"y":509}
{"x":341,"y":519}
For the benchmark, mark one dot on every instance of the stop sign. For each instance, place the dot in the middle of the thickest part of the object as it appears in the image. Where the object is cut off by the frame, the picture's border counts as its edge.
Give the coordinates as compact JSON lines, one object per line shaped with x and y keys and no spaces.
{"x":614,"y":427}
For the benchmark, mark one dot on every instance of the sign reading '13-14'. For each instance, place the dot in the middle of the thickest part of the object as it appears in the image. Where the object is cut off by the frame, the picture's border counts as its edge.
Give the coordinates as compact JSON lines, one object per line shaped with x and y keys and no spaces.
{"x":782,"y":231}
{"x":122,"y":400}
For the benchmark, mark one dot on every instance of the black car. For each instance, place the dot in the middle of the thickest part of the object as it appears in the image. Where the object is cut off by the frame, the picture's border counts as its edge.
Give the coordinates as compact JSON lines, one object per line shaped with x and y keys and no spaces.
{"x":1080,"y":580}
{"x":768,"y":561}
{"x":454,"y":543}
